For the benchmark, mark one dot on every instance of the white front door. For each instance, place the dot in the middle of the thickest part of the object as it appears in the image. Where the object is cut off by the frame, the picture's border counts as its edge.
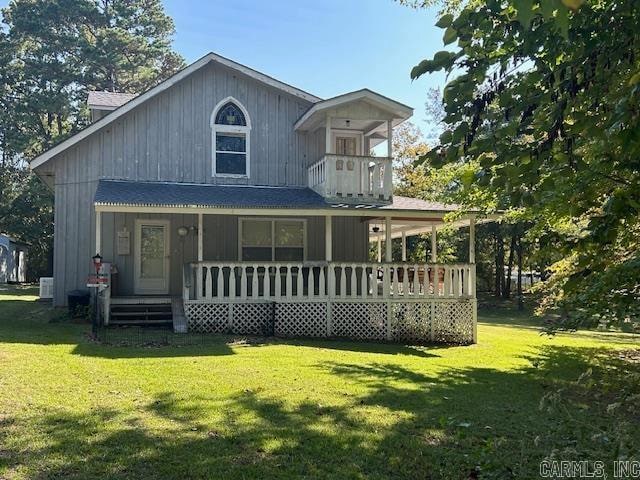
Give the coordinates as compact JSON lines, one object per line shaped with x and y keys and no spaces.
{"x":152,"y":257}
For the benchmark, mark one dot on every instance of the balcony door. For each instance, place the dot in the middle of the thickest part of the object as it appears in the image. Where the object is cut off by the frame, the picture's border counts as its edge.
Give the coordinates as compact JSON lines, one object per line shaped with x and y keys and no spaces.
{"x":347,"y":143}
{"x":152,"y":257}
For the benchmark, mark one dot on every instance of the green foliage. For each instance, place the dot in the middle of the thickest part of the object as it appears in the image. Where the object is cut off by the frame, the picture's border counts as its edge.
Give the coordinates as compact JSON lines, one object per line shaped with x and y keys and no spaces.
{"x":26,"y":212}
{"x":52,"y":52}
{"x":544,"y":102}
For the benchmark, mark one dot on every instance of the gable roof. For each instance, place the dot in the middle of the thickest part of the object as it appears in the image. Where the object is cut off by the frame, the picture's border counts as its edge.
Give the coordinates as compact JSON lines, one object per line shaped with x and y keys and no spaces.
{"x":161,"y":87}
{"x":400,"y":110}
{"x":108,"y":100}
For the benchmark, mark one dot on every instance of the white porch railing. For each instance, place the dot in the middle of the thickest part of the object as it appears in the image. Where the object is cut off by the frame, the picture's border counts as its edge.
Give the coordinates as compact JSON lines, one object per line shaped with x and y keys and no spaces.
{"x":346,"y":178}
{"x":280,"y":281}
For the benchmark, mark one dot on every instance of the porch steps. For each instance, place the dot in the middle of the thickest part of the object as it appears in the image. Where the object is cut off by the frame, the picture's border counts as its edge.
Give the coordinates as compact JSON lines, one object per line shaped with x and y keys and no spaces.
{"x":154,"y":311}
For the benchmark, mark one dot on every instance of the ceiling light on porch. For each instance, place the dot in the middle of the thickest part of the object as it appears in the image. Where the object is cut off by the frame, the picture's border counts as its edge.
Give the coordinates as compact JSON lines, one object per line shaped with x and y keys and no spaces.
{"x":183,"y":231}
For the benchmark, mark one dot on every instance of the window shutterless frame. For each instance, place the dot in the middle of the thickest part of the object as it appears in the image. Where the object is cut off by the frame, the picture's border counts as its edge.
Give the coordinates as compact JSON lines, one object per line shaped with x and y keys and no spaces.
{"x":272,"y":221}
{"x":231,"y":130}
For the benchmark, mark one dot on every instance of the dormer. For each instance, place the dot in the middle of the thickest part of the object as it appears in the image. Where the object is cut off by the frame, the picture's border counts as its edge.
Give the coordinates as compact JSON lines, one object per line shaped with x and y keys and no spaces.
{"x":102,"y":103}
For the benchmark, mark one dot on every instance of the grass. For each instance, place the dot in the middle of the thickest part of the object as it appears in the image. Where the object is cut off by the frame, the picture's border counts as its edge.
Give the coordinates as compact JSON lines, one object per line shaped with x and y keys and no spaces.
{"x":70,"y":408}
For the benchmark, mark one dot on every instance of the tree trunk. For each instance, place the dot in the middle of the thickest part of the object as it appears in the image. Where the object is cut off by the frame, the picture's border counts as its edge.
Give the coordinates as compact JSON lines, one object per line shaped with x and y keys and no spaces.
{"x":512,"y":248}
{"x":520,"y":298}
{"x":499,"y":261}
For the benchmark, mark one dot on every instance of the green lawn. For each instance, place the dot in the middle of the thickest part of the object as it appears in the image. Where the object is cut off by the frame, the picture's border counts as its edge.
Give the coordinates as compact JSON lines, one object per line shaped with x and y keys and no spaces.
{"x":70,"y":408}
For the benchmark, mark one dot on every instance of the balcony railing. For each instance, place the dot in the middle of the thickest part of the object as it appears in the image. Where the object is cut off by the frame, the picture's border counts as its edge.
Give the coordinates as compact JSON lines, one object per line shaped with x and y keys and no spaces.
{"x":237,"y":281}
{"x":347,"y":178}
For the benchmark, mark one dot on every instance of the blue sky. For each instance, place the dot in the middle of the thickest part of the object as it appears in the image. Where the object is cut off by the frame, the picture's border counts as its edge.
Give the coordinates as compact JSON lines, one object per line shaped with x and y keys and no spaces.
{"x":325,"y":47}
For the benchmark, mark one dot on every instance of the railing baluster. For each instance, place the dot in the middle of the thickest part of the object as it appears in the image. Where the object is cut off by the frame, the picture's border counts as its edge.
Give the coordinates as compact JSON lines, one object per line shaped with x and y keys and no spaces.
{"x":232,"y":281}
{"x":321,"y":282}
{"x":425,"y":281}
{"x":278,"y":282}
{"x":354,"y":280}
{"x":447,"y":281}
{"x":374,"y":281}
{"x":299,"y":283}
{"x":266,"y":283}
{"x":289,"y":281}
{"x":254,"y":281}
{"x":220,"y":283}
{"x":243,"y":282}
{"x":405,"y":280}
{"x":343,"y":280}
{"x":208,"y":294}
{"x":364,"y":281}
{"x":311,"y":283}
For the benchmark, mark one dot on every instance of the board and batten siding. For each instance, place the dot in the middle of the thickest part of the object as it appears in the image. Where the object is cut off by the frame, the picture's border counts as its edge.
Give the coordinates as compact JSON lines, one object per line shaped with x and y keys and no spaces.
{"x":168,"y":138}
{"x":220,"y":242}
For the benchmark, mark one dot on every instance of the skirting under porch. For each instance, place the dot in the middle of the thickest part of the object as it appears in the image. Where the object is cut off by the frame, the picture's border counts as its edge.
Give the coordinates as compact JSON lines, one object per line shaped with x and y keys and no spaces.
{"x":433,"y":321}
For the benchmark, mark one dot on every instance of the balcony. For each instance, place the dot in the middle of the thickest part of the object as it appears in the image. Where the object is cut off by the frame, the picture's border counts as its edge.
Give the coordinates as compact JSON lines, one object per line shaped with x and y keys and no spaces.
{"x":352,"y":179}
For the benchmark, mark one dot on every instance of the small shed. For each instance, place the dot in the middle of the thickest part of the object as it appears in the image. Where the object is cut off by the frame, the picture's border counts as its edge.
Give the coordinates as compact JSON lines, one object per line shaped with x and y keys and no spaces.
{"x":13,"y":260}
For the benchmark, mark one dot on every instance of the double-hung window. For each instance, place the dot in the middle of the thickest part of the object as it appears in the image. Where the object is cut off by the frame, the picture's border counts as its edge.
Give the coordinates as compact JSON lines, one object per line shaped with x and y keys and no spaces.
{"x":230,"y":130}
{"x":272,"y":240}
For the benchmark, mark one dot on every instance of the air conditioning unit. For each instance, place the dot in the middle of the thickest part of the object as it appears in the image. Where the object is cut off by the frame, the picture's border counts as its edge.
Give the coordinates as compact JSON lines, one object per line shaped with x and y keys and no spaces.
{"x":46,"y":288}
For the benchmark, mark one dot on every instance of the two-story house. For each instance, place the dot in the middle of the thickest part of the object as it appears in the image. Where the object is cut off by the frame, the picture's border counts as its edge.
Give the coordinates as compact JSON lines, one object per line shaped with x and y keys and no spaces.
{"x":242,"y":200}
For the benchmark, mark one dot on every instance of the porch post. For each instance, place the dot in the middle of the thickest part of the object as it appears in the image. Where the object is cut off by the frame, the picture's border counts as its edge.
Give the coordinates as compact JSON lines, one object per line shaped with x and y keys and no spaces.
{"x":328,"y":238}
{"x":387,"y":239}
{"x":98,"y":231}
{"x":472,"y":240}
{"x":331,"y":274}
{"x":200,"y":257}
{"x":200,"y":238}
{"x":389,"y":139}
{"x":404,"y":246}
{"x":434,"y":245}
{"x":327,"y":136}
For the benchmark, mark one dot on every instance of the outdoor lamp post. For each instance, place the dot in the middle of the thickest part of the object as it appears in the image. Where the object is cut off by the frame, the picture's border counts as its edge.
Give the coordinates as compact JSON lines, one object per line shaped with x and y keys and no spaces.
{"x":97,"y":263}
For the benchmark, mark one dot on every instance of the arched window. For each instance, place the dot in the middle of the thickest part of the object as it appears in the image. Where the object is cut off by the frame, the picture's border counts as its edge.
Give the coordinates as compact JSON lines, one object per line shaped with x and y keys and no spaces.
{"x":230,"y":127}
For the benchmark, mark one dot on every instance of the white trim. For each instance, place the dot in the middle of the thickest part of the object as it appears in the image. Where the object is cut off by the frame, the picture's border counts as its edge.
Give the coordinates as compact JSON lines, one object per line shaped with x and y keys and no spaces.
{"x":303,"y":212}
{"x":138,"y":289}
{"x":273,"y":221}
{"x":399,"y":110}
{"x":98,"y":232}
{"x":200,"y":237}
{"x":161,"y":87}
{"x":232,"y":129}
{"x":328,"y":238}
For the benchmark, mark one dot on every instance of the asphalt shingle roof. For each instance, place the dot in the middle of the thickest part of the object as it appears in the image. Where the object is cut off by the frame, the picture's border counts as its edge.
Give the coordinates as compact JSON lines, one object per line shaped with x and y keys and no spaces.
{"x":109,"y":99}
{"x":119,"y":192}
{"x":171,"y":194}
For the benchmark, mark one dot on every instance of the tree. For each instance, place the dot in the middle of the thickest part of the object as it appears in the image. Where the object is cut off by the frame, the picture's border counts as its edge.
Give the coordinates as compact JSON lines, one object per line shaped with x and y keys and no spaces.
{"x":52,"y":52}
{"x":544,"y":102}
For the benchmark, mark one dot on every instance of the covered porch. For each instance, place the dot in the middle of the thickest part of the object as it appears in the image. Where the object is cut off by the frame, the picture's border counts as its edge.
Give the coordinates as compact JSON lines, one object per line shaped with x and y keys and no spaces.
{"x":248,"y":270}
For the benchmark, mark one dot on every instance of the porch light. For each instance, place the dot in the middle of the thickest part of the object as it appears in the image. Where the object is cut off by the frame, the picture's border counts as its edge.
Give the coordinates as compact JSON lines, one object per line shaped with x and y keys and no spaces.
{"x":183,"y":231}
{"x":97,"y":262}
